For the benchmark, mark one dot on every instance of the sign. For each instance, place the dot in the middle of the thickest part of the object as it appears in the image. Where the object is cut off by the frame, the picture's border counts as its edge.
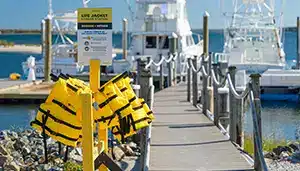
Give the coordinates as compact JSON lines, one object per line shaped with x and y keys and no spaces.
{"x":94,"y":35}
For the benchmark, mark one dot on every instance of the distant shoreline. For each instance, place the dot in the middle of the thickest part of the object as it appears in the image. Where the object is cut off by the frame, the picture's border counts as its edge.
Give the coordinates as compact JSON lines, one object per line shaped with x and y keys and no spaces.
{"x":23,"y":31}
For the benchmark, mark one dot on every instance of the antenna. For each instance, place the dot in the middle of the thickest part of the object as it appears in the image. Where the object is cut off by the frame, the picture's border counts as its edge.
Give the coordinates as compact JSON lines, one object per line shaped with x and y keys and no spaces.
{"x":50,"y":10}
{"x":85,"y":3}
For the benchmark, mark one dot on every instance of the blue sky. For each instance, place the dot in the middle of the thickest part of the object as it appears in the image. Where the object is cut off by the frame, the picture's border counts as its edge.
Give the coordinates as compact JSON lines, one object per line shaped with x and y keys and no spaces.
{"x":27,"y":14}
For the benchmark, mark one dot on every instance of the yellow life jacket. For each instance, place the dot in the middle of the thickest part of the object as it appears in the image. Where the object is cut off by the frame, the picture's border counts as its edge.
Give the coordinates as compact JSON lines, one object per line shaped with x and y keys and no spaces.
{"x":60,"y":124}
{"x":63,"y":112}
{"x":104,"y":115}
{"x":147,"y":109}
{"x":139,"y":116}
{"x":117,"y":102}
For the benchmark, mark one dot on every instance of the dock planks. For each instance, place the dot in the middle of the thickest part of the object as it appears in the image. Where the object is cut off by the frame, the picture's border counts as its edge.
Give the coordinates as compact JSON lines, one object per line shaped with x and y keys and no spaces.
{"x":16,"y":90}
{"x":185,"y":139}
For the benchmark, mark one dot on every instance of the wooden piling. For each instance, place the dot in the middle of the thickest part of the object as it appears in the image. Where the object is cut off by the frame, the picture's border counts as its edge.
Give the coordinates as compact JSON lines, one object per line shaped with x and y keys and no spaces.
{"x":43,"y":31}
{"x":195,"y":83}
{"x":298,"y":44}
{"x":255,"y":78}
{"x":204,"y":93}
{"x":161,"y":74}
{"x":240,"y":119}
{"x":48,"y":49}
{"x":124,"y":38}
{"x":232,"y":107}
{"x":205,"y":34}
{"x":216,"y":97}
{"x":170,"y":75}
{"x":146,"y":82}
{"x":189,"y":75}
{"x":174,"y":67}
{"x":223,"y":94}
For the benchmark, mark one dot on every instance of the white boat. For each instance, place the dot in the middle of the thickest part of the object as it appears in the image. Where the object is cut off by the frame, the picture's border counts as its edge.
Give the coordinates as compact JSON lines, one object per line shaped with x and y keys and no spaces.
{"x":155,"y":21}
{"x":253,"y":39}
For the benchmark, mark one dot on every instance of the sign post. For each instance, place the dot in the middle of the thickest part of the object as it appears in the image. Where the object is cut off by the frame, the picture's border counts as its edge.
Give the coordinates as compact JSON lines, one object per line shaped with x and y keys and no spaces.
{"x":95,"y":47}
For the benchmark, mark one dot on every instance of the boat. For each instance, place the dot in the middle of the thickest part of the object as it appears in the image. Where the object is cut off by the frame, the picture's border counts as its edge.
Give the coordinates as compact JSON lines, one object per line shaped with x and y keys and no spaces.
{"x":64,"y":50}
{"x":154,"y":23}
{"x":253,"y":38}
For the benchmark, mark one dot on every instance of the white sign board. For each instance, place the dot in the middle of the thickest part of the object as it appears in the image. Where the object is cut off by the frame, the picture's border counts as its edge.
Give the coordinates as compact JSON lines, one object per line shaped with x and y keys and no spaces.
{"x":94,"y":35}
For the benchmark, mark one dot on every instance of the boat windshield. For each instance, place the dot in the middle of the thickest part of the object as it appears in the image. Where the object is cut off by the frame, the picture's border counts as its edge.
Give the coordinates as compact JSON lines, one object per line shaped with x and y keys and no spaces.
{"x":168,"y":10}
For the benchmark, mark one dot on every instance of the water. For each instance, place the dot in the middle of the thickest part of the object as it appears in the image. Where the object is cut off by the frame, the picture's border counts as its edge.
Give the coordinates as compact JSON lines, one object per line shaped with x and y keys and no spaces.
{"x":280,"y":119}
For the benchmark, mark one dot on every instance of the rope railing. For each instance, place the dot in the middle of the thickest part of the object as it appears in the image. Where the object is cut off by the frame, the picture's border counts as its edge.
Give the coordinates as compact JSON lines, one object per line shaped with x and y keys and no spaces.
{"x":227,"y":82}
{"x":194,"y":69}
{"x":234,"y":91}
{"x":163,"y":59}
{"x":256,"y":133}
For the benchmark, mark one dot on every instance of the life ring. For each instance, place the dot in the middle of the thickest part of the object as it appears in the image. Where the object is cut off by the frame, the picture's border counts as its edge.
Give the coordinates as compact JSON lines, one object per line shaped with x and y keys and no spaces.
{"x":14,"y":76}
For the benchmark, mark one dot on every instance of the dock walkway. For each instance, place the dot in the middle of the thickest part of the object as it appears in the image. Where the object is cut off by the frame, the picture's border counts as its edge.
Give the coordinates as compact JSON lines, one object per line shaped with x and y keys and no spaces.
{"x":182,"y":138}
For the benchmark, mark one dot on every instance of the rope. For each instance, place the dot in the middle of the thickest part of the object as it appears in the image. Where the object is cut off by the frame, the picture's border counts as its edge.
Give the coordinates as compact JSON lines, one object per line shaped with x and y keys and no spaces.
{"x":205,"y":74}
{"x":193,"y":67}
{"x":235,"y":94}
{"x":256,"y":134}
{"x":172,"y":57}
{"x":219,"y":84}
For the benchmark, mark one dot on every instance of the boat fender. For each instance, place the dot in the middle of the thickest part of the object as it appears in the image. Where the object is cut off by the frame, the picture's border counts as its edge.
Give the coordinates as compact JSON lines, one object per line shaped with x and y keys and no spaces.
{"x":14,"y":76}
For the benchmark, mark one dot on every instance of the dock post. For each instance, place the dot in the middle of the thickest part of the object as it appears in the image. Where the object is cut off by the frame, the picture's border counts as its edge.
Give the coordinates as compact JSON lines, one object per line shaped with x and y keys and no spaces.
{"x":240,"y":119}
{"x":215,"y":94}
{"x":223,"y":94}
{"x":170,"y":75}
{"x":146,"y":84}
{"x":161,"y":74}
{"x":204,"y":93}
{"x":232,"y":107}
{"x":256,"y":93}
{"x":174,"y":64}
{"x":43,"y":27}
{"x":189,"y":75}
{"x":87,"y":132}
{"x":124,"y":38}
{"x":48,"y":50}
{"x":298,"y":44}
{"x":195,"y":83}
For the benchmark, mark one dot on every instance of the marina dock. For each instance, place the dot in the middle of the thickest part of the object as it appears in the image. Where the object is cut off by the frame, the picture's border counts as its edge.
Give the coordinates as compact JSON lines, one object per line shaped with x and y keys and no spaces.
{"x":183,"y":138}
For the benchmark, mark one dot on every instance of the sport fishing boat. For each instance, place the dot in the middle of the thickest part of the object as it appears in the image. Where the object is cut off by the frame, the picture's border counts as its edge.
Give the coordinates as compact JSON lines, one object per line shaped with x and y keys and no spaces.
{"x":154,"y":23}
{"x":253,"y":39}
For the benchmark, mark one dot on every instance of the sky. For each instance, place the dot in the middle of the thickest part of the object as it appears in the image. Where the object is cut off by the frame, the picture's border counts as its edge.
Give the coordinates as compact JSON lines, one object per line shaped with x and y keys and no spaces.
{"x":27,"y":14}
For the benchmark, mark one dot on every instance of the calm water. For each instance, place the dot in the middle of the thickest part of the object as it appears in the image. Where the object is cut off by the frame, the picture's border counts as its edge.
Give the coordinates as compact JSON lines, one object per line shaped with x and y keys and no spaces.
{"x":280,"y":119}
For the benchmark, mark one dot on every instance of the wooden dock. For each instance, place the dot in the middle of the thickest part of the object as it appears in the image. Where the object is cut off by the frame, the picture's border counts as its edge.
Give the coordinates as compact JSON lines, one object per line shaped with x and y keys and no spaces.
{"x":24,"y":90}
{"x":185,"y":139}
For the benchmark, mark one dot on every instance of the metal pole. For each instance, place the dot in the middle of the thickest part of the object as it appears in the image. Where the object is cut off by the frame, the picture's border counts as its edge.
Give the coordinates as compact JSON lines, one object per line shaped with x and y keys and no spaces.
{"x":232,"y":107}
{"x":189,"y":74}
{"x":216,"y":97}
{"x":204,"y":93}
{"x":256,"y":93}
{"x":195,"y":83}
{"x":124,"y":38}
{"x":48,"y":50}
{"x":161,"y":74}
